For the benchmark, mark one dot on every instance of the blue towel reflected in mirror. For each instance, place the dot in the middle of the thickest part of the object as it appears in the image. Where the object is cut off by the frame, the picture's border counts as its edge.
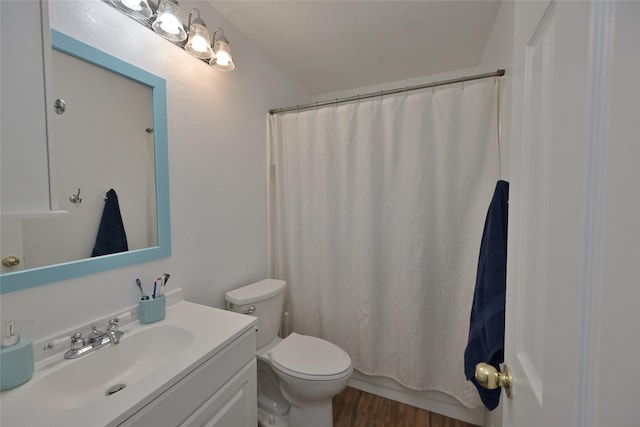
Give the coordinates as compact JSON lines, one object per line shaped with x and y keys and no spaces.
{"x":111,"y":236}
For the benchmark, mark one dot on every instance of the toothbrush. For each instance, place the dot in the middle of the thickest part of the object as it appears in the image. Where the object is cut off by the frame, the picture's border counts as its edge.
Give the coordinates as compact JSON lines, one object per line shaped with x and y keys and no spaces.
{"x":157,"y":287}
{"x":142,"y":295}
{"x":159,"y":283}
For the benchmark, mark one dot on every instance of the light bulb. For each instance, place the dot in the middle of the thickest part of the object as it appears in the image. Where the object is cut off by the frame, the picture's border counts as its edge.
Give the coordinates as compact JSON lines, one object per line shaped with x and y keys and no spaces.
{"x":222,"y":54}
{"x":199,"y":44}
{"x":132,"y":4}
{"x":222,"y":58}
{"x":170,"y":24}
{"x":137,"y":9}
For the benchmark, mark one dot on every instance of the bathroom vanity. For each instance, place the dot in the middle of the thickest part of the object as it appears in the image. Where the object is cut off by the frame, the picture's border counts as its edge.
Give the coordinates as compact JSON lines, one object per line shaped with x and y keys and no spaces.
{"x":195,"y":367}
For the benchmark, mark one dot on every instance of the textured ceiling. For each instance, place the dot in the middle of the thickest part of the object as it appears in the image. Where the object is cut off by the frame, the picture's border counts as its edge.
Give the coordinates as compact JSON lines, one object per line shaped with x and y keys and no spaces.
{"x":329,"y":46}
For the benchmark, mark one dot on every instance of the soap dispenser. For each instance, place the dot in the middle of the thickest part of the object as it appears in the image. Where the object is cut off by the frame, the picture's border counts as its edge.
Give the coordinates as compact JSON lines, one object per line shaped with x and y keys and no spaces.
{"x":16,"y":358}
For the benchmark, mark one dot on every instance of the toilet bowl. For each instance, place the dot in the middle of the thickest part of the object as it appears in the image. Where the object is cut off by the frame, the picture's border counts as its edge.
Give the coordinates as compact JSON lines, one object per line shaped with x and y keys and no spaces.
{"x":308,"y":371}
{"x":311,"y":372}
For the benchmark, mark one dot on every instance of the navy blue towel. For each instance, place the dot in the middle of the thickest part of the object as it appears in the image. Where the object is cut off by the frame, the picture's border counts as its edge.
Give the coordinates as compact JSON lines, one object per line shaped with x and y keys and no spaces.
{"x":486,"y":329}
{"x":111,"y":237}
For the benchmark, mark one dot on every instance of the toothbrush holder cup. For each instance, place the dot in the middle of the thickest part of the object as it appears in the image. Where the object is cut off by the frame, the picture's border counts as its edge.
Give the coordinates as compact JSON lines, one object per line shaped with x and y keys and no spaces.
{"x":151,"y":310}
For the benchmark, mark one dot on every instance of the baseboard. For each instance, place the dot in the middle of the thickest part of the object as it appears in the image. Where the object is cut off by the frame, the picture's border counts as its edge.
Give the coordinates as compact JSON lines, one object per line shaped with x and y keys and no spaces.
{"x":433,"y":401}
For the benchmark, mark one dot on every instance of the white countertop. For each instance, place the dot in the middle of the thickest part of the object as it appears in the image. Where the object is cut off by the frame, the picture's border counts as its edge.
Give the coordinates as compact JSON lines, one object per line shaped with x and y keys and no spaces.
{"x":212,"y":329}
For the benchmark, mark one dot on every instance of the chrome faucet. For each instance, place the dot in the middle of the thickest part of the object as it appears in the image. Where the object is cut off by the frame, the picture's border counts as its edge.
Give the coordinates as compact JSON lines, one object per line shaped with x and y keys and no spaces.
{"x":96,"y":339}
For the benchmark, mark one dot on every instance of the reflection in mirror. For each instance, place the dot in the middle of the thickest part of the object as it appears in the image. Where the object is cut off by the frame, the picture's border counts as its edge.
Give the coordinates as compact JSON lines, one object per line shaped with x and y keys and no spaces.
{"x":103,"y":141}
{"x":111,"y":135}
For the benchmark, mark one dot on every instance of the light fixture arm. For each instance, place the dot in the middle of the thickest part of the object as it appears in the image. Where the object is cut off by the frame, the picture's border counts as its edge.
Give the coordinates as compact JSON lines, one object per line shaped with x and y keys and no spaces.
{"x":197,"y":20}
{"x":215,"y":36}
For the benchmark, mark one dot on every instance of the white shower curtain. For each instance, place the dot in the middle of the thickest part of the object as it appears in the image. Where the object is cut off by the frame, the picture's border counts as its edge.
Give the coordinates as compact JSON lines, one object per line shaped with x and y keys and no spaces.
{"x":376,"y":216}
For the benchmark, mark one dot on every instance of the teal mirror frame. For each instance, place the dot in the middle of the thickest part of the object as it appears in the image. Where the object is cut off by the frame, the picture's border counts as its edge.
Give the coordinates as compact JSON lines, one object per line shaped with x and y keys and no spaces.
{"x":19,"y":280}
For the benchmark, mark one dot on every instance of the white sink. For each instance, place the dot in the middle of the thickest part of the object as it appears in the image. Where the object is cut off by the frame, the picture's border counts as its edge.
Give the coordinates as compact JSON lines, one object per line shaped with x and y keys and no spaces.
{"x":87,"y":379}
{"x":148,"y":360}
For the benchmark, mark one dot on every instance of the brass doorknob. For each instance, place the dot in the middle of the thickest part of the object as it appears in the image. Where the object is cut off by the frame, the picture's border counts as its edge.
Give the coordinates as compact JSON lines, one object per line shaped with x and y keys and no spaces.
{"x":10,"y":261}
{"x":489,"y":377}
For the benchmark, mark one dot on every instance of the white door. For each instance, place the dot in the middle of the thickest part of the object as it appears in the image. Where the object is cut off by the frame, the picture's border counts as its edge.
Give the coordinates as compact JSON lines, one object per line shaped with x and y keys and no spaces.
{"x":573,"y":283}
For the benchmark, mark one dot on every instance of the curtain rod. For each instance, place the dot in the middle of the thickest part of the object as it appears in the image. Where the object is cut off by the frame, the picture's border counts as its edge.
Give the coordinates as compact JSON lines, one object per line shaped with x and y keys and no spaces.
{"x":498,"y":73}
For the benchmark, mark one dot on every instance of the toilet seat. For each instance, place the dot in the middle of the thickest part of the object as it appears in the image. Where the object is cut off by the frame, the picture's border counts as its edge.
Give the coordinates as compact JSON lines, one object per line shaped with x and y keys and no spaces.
{"x":310,"y":358}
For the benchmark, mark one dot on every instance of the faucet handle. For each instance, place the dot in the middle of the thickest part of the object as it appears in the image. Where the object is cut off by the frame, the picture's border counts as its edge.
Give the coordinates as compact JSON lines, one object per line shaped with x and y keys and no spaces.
{"x":113,"y":332}
{"x":77,"y":342}
{"x":113,"y":324}
{"x":95,"y":334}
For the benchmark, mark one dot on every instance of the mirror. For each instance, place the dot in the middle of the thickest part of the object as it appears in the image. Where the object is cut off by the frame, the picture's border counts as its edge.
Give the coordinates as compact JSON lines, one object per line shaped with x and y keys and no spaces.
{"x":145,"y":212}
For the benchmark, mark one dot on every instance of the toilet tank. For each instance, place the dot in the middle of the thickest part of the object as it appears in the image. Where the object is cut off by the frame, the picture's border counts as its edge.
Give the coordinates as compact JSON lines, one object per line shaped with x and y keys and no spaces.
{"x":264,"y":300}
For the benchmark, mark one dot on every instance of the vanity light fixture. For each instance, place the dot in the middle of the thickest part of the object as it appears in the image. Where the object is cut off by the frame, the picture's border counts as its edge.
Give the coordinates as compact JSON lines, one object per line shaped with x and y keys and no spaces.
{"x":199,"y":44}
{"x":164,"y":18}
{"x":221,"y":52}
{"x":168,"y":21}
{"x":137,"y":9}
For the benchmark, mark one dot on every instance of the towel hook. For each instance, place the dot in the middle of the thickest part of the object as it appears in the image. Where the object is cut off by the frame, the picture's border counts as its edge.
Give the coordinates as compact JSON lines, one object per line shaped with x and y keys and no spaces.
{"x":75,"y":198}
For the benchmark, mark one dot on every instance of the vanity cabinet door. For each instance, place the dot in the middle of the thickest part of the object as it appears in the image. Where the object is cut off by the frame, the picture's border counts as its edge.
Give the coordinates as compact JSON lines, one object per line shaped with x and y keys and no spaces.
{"x":235,"y":405}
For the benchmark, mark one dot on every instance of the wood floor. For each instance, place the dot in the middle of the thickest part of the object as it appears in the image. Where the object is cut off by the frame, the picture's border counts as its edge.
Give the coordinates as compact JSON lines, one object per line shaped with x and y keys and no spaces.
{"x":356,"y":408}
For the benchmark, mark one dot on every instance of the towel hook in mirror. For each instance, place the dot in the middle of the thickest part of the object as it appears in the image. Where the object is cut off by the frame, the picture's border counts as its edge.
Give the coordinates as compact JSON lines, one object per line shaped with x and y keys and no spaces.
{"x":75,"y":198}
{"x":60,"y":106}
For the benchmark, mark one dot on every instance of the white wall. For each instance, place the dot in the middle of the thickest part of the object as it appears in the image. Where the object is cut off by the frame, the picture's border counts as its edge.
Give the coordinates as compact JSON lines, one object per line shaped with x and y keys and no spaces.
{"x":217,"y":170}
{"x":499,"y":54}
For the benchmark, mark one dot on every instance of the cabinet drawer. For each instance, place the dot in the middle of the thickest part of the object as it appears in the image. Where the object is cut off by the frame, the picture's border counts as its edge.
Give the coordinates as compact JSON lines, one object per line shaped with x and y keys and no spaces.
{"x":184,"y":398}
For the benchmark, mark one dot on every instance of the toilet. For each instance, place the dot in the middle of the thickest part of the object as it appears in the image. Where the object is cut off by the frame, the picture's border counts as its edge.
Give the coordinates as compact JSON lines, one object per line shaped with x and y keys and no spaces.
{"x":297,"y":375}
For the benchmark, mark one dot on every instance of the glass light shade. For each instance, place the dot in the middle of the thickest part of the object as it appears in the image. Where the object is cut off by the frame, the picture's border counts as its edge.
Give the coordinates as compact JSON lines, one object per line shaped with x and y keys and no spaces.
{"x":222,"y":56}
{"x":168,"y":23}
{"x":132,"y":4}
{"x":199,"y":44}
{"x":138,"y":9}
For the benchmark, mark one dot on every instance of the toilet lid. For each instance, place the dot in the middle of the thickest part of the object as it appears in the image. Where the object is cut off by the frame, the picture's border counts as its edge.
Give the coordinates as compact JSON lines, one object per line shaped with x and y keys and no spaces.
{"x":310,"y":358}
